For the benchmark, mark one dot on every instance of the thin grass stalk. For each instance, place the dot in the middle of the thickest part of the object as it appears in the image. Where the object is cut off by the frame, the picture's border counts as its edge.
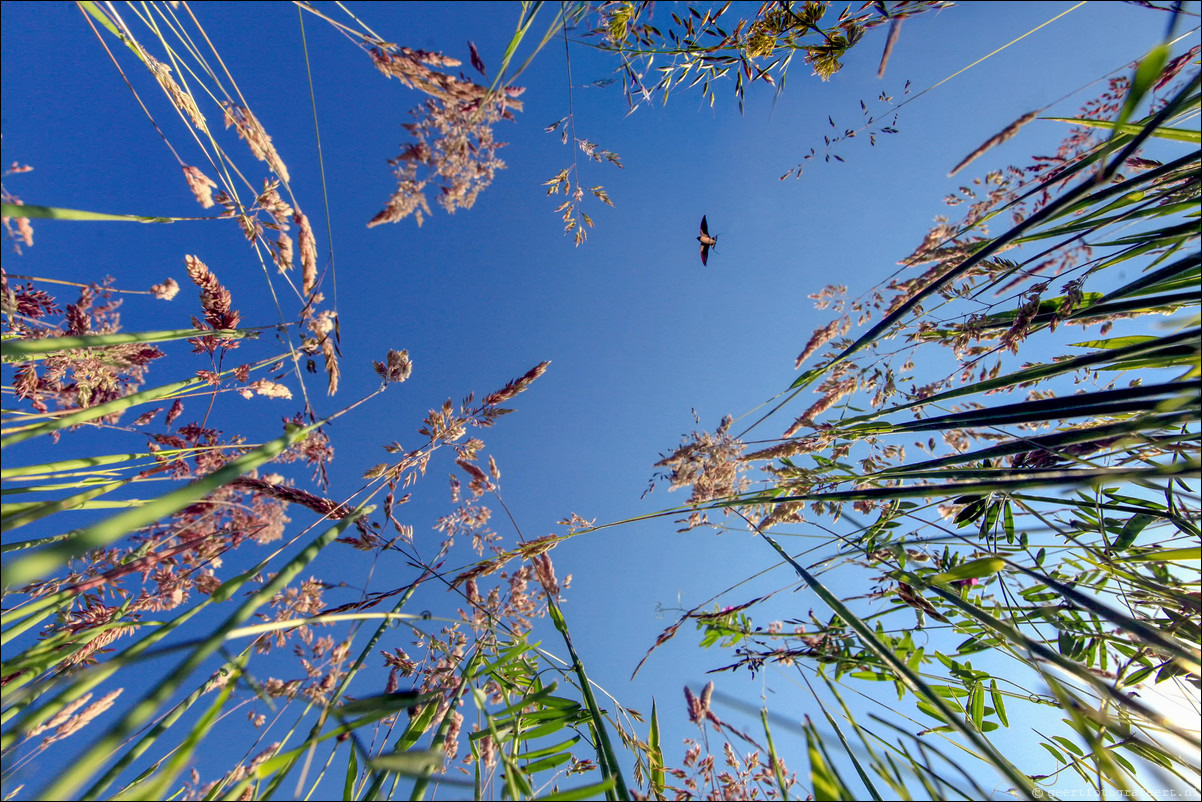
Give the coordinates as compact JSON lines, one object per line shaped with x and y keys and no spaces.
{"x":1016,"y":636}
{"x":157,"y":786}
{"x":1062,"y":205}
{"x":41,"y":564}
{"x":1127,"y":431}
{"x":24,"y":350}
{"x":923,"y":769}
{"x":61,"y":421}
{"x":777,"y":774}
{"x":1136,"y":350}
{"x":75,"y":775}
{"x":606,"y":757}
{"x":1022,"y":783}
{"x":851,"y":755}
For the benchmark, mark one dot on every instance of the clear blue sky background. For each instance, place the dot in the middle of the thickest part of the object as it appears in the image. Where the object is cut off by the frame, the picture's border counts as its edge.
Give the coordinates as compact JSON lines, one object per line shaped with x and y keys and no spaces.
{"x":637,"y":331}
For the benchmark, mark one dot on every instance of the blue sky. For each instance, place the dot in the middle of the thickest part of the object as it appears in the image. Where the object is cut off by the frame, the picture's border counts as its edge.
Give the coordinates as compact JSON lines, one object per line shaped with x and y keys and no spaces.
{"x":639,"y":334}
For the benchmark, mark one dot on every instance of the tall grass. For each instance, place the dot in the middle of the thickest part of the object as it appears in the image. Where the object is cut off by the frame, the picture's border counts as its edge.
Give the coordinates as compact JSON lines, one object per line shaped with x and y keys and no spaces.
{"x":1059,"y":531}
{"x":206,"y":574}
{"x":1051,"y":516}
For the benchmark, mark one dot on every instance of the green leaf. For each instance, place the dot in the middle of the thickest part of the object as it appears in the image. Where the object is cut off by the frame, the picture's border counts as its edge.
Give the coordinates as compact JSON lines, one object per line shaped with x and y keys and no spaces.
{"x":1069,"y":745}
{"x":77,"y":215}
{"x":1146,"y":74}
{"x":562,"y":746}
{"x":1175,"y":134}
{"x":655,"y":756}
{"x":999,"y":703}
{"x":594,"y":791}
{"x":414,"y":763}
{"x":1166,"y":555}
{"x":986,"y":566}
{"x":1059,"y":757}
{"x":976,"y":706}
{"x":1135,"y":524}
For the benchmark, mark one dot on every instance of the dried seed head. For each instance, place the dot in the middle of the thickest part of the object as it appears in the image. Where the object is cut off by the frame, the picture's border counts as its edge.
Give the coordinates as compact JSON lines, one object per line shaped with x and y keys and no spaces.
{"x":201,"y":185}
{"x":251,"y":130}
{"x":517,"y":385}
{"x":308,"y":251}
{"x":398,"y":366}
{"x":995,"y":140}
{"x":165,"y":291}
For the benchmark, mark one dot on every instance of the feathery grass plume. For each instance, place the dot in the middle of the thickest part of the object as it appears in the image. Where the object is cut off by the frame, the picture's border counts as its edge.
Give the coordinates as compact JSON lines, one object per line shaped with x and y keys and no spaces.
{"x":821,"y":337}
{"x":293,"y":495}
{"x":545,"y":572}
{"x":79,"y":378}
{"x":165,"y":291}
{"x":574,"y":218}
{"x":265,"y":388}
{"x":894,"y":34}
{"x":516,"y":386}
{"x":709,"y":464}
{"x":67,"y":723}
{"x":792,"y":512}
{"x":473,"y":470}
{"x":454,"y":143}
{"x":744,"y":778}
{"x":397,"y":368}
{"x":61,"y":717}
{"x":995,"y":140}
{"x":251,"y":131}
{"x":269,"y":200}
{"x":321,"y":340}
{"x":216,"y":302}
{"x":183,"y":101}
{"x":201,"y":185}
{"x":834,"y":391}
{"x":788,"y":448}
{"x":23,"y":231}
{"x":308,"y":252}
{"x":408,"y":198}
{"x":540,"y":545}
{"x":281,"y":252}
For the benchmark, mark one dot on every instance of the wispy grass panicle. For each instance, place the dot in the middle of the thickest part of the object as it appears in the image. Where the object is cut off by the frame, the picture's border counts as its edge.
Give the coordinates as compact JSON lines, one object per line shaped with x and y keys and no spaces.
{"x":708,"y":463}
{"x":397,"y":368}
{"x":251,"y":131}
{"x":215,"y":301}
{"x":516,"y":386}
{"x":1005,"y":134}
{"x":201,"y":185}
{"x":1032,"y":525}
{"x":454,"y":145}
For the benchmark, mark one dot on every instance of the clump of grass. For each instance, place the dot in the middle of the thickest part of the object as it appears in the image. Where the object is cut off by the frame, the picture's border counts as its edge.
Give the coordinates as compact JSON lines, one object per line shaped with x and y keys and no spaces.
{"x":206,"y":547}
{"x":1058,"y":529}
